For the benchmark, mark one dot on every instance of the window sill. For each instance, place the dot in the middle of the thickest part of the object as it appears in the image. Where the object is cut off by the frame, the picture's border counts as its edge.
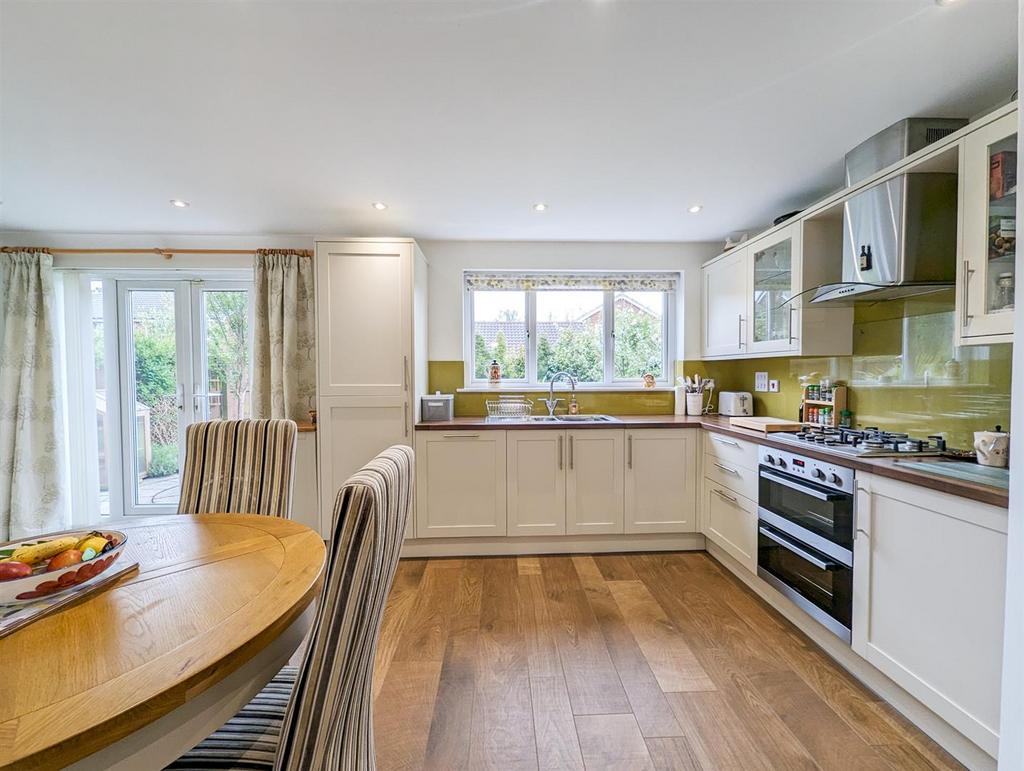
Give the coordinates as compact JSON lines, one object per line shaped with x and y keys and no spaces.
{"x":560,"y":387}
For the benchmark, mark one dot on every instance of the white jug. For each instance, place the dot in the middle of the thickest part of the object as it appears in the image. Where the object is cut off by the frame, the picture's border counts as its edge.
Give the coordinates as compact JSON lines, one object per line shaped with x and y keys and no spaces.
{"x":993,"y":447}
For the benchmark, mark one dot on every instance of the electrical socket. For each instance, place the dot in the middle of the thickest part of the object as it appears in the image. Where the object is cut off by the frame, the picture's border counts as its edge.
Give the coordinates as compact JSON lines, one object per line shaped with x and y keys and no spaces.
{"x":773,"y":386}
{"x":760,"y":381}
{"x":711,"y":384}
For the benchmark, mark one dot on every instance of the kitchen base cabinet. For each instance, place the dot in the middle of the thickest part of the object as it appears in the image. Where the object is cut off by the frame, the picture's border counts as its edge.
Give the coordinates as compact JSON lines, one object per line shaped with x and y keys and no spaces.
{"x":929,"y":574}
{"x":594,"y":481}
{"x":661,"y":478}
{"x":350,"y":431}
{"x":730,"y":520}
{"x":536,"y":482}
{"x":460,"y":484}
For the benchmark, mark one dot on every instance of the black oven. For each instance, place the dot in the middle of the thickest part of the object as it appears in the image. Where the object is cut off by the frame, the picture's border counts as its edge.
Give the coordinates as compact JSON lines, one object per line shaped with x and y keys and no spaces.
{"x":805,"y":534}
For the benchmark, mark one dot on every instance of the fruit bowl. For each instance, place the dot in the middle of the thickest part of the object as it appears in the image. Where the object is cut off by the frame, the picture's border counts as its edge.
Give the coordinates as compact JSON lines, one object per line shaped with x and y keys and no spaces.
{"x":58,"y":562}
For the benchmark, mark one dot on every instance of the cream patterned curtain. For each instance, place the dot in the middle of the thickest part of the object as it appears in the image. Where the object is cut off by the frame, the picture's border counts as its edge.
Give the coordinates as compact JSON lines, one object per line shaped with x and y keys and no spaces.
{"x":31,"y":426}
{"x":284,"y":335}
{"x":540,"y":280}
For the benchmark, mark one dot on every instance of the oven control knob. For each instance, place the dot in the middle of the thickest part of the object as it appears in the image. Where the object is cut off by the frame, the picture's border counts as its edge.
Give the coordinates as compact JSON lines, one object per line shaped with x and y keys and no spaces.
{"x":819,"y":474}
{"x":770,"y":459}
{"x":835,"y":479}
{"x":782,"y":463}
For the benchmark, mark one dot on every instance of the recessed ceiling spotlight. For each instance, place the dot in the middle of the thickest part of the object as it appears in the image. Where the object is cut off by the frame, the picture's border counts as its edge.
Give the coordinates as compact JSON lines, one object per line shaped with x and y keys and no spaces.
{"x":695,"y":209}
{"x":540,"y":206}
{"x":177,"y":203}
{"x":379,"y":205}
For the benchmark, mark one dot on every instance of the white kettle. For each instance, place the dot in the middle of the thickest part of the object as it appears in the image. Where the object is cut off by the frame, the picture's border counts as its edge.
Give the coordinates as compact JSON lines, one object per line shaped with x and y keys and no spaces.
{"x":993,"y":447}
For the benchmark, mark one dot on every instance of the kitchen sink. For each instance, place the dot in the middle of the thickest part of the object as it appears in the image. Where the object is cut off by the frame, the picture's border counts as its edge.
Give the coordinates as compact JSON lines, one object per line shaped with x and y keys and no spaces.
{"x":573,"y":419}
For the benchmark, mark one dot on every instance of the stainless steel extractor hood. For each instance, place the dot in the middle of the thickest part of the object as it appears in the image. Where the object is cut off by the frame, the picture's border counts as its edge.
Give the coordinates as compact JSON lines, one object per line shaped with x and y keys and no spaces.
{"x":899,"y":236}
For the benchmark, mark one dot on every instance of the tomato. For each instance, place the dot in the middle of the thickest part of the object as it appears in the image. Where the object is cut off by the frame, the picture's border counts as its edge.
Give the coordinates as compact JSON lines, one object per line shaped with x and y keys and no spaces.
{"x":11,"y":570}
{"x":65,"y":559}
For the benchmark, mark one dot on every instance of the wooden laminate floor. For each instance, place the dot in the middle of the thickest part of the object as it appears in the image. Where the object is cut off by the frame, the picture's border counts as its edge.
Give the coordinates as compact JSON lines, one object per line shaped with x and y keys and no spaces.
{"x":641,"y":661}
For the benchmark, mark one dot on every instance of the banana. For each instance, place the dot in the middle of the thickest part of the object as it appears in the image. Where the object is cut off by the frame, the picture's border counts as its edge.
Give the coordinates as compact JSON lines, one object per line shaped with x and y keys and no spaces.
{"x":30,"y":555}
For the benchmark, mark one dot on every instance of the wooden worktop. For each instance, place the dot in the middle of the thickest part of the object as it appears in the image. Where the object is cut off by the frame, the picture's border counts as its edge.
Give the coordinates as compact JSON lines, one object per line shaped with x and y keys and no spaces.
{"x":885,"y":467}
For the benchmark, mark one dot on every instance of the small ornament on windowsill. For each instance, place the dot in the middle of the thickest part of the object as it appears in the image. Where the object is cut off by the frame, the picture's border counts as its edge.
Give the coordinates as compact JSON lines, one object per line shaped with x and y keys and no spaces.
{"x":494,"y":372}
{"x":649,"y":380}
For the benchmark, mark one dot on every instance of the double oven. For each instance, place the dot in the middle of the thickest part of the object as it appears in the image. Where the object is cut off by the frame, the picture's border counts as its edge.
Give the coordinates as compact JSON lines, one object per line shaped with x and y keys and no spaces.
{"x":805,"y":534}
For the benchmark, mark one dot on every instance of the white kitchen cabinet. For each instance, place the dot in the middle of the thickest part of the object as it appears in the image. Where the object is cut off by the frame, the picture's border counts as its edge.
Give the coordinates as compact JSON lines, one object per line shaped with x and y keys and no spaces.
{"x":350,"y":431}
{"x":753,"y":302}
{"x":460,"y":484}
{"x":306,"y":505}
{"x":723,"y":299}
{"x":772,"y":281}
{"x":594,"y":481}
{"x":929,"y":575}
{"x":730,"y":520}
{"x":371,"y":353}
{"x":988,"y":212}
{"x":536,"y":482}
{"x":661,"y":480}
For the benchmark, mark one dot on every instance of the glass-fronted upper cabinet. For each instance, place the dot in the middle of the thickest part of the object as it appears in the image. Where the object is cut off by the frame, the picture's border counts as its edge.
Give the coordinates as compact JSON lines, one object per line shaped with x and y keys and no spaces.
{"x":772,"y":284}
{"x":986,"y":279}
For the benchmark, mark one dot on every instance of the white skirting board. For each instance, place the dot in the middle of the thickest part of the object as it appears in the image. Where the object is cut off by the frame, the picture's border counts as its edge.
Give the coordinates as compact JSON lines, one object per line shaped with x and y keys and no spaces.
{"x":945,"y":735}
{"x":569,"y":544}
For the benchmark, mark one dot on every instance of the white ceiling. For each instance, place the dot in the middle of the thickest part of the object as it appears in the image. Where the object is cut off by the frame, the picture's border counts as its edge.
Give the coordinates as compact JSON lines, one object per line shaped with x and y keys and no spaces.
{"x":291,"y":117}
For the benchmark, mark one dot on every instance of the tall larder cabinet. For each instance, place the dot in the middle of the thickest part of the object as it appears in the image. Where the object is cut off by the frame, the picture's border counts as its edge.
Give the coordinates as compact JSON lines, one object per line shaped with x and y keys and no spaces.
{"x":371,"y":353}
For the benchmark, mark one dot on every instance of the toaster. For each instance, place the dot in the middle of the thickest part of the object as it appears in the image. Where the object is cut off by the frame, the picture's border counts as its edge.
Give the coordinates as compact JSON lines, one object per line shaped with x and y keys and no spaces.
{"x":735,"y":403}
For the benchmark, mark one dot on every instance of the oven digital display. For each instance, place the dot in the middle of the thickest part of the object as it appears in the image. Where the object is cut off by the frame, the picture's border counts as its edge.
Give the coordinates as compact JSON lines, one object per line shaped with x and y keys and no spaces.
{"x":799,"y":463}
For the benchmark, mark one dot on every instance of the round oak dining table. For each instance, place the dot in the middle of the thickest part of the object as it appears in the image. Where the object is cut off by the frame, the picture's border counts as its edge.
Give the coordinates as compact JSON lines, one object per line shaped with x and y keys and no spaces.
{"x":143,"y":670}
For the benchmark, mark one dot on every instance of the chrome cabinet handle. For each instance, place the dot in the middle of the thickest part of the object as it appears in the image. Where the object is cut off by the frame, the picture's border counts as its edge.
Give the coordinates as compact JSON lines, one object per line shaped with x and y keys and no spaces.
{"x":406,"y":420}
{"x":724,"y":441}
{"x":791,"y":337}
{"x":629,"y":446}
{"x":561,"y":454}
{"x":791,"y":547}
{"x":571,"y":454}
{"x":727,"y":469}
{"x":461,"y":435}
{"x":741,"y":331}
{"x":405,"y":373}
{"x":968,"y":272}
{"x":720,"y":494}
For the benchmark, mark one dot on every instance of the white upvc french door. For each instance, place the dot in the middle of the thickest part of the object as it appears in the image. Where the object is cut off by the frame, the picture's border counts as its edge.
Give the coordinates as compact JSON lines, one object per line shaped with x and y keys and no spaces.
{"x":184,"y":353}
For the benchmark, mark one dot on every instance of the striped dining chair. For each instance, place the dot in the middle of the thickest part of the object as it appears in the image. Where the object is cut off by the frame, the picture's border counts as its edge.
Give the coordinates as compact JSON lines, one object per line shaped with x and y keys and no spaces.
{"x":238,"y":467}
{"x":319,"y":716}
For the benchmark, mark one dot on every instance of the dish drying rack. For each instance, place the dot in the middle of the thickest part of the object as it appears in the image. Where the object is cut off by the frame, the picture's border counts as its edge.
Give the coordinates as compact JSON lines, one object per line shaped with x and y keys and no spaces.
{"x":509,"y":407}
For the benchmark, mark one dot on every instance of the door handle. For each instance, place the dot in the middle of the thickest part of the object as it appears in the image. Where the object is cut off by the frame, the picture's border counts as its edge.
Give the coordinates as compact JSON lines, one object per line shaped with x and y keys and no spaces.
{"x":406,"y":420}
{"x":724,"y":441}
{"x":740,"y":326}
{"x":965,"y":292}
{"x":791,"y":310}
{"x":801,"y":488}
{"x":720,"y":494}
{"x":801,"y":553}
{"x":405,"y":373}
{"x":180,"y":394}
{"x":727,"y":469}
{"x":561,"y":453}
{"x":571,"y":453}
{"x":461,"y":435}
{"x":629,"y":447}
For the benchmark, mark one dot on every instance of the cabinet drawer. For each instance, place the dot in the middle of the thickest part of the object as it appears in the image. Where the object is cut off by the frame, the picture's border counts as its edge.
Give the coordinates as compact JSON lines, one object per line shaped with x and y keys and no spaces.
{"x":731,"y":522}
{"x":731,"y":451}
{"x":739,"y":479}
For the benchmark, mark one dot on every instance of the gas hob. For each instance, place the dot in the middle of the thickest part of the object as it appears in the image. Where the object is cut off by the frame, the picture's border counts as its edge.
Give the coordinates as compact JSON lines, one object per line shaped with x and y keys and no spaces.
{"x":864,"y":443}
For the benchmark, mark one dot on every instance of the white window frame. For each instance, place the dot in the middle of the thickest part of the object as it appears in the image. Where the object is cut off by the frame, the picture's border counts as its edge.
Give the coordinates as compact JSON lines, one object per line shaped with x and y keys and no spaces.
{"x":609,"y":381}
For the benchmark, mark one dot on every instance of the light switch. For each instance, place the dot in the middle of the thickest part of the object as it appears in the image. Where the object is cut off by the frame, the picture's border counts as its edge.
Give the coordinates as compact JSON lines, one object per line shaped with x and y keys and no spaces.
{"x":773,"y":386}
{"x":760,"y":381}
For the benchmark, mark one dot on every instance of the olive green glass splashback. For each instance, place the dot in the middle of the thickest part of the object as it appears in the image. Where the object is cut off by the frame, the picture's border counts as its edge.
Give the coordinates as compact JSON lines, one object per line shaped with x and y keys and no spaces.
{"x":447,"y":377}
{"x":904,"y":375}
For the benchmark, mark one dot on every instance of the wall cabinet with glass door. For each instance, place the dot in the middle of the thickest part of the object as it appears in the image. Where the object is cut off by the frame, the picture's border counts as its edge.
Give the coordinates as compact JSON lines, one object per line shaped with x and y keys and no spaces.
{"x":986,"y":277}
{"x":752,"y":301}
